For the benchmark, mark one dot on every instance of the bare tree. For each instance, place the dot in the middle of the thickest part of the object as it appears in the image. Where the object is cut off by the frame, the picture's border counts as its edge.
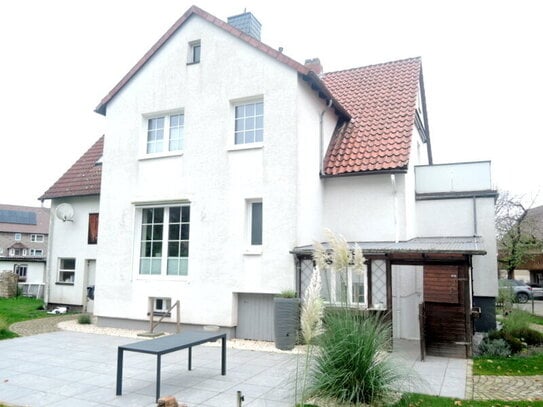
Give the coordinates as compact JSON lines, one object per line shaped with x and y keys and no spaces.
{"x":518,"y":232}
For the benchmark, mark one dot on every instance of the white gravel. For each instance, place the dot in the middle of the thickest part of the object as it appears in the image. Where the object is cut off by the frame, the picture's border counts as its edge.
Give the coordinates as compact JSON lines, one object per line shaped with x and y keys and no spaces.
{"x":73,"y":325}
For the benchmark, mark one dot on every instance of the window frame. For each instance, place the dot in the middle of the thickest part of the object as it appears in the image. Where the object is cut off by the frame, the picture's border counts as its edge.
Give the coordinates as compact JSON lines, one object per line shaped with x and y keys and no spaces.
{"x":252,"y":247}
{"x":241,"y":121}
{"x":93,"y":225}
{"x":64,"y":270}
{"x":33,"y":252}
{"x":167,"y":134}
{"x":21,"y":270}
{"x":166,"y":243}
{"x":37,"y":238}
{"x":330,"y":297}
{"x":194,"y":53}
{"x":17,"y":237}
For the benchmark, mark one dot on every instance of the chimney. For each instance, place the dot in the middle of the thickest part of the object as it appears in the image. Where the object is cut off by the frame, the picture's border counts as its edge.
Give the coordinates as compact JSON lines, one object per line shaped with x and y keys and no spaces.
{"x":247,"y":23}
{"x":314,"y":65}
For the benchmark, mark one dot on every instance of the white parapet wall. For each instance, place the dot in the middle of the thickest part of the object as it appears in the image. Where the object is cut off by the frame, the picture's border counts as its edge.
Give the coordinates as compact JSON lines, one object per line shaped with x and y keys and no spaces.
{"x":454,"y":177}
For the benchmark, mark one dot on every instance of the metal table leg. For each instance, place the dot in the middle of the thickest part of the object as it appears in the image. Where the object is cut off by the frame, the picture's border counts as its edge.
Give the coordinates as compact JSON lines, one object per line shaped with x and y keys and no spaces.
{"x":119,"y":371}
{"x":223,"y":356}
{"x":158,"y":357}
{"x":190,"y":358}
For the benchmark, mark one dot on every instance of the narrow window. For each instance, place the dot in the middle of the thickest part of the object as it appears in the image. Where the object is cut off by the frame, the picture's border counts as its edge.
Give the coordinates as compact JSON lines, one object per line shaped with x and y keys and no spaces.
{"x":20,"y":270}
{"x":256,"y":223}
{"x":155,"y":135}
{"x":195,"y":48}
{"x":249,"y":123}
{"x":92,"y":237}
{"x":177,"y":123}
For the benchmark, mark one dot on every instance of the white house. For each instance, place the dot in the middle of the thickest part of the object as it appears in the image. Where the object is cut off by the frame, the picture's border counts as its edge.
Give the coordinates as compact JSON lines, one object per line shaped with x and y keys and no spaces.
{"x":23,"y":245}
{"x":224,"y":160}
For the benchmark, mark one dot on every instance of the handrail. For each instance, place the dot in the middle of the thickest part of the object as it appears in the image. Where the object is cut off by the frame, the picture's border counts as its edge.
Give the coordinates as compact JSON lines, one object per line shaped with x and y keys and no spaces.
{"x":153,"y":325}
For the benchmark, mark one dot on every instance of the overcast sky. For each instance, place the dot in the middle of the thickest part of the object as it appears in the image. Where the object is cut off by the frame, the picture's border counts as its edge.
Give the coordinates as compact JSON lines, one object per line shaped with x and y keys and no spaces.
{"x":482,"y":64}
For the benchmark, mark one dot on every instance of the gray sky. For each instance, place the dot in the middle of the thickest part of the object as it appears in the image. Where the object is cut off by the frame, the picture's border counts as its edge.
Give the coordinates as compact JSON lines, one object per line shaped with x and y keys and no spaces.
{"x":482,"y":64}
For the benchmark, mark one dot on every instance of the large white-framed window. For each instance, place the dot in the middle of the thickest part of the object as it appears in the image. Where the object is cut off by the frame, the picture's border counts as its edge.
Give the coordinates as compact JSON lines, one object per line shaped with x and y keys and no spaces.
{"x":66,"y":270}
{"x":37,"y":238}
{"x":165,"y":133}
{"x":249,"y":122}
{"x":346,"y":288}
{"x":164,"y":241}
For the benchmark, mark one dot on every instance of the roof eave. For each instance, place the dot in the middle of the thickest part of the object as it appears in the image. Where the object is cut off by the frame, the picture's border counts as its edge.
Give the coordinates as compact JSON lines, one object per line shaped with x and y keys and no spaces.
{"x":399,"y":170}
{"x":318,"y":85}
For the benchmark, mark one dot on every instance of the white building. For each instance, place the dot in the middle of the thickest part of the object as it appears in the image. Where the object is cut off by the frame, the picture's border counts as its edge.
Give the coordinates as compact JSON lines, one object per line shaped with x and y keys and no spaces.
{"x":224,"y":160}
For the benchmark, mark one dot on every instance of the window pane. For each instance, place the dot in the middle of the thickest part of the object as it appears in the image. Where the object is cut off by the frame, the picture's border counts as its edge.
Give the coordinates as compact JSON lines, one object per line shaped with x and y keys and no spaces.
{"x":239,"y":138}
{"x":196,"y":53}
{"x":67,"y":264}
{"x":156,"y":249}
{"x":158,"y":214}
{"x":184,"y":249}
{"x":250,"y":110}
{"x":256,"y":223}
{"x":259,"y":122}
{"x":259,"y":108}
{"x":239,"y":125}
{"x":249,"y":123}
{"x":259,"y":135}
{"x":183,"y":267}
{"x":185,"y":231}
{"x":240,"y":111}
{"x":173,"y":249}
{"x":249,"y":136}
{"x":174,"y":232}
{"x":173,"y":267}
{"x":155,"y":266}
{"x":175,"y":214}
{"x":145,"y":266}
{"x":185,"y":213}
{"x":157,"y":232}
{"x":146,"y":249}
{"x":326,"y":290}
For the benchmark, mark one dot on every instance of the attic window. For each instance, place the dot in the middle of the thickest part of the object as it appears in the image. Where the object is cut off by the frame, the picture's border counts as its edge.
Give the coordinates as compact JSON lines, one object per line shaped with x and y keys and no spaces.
{"x":195,"y":48}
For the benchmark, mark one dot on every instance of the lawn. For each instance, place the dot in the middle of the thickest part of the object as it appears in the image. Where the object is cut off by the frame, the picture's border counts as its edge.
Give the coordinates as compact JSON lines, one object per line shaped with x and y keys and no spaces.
{"x":416,"y":400}
{"x":18,"y":309}
{"x":511,"y":366}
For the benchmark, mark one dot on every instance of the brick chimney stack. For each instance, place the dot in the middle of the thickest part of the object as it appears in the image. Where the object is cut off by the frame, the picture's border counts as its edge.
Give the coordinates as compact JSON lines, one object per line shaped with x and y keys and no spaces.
{"x":314,"y":65}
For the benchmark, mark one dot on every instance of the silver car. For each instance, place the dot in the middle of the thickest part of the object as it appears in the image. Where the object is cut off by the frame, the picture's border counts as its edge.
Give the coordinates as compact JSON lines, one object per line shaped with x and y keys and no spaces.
{"x":521,"y":290}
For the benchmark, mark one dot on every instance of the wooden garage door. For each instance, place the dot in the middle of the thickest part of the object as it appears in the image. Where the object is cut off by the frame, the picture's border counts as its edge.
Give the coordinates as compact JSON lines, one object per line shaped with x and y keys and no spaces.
{"x":446,"y":323}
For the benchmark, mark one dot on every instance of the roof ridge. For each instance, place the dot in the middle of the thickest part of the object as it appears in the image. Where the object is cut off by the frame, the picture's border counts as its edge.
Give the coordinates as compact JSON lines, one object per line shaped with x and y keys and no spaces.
{"x":418,"y":58}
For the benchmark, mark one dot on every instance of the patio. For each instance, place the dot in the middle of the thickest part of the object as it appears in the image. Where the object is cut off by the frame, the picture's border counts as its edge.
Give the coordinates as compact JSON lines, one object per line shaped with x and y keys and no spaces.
{"x":72,"y":368}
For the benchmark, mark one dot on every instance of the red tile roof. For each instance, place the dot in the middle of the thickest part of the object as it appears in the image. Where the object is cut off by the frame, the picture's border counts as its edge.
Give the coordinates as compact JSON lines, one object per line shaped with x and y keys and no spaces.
{"x":381,"y":100}
{"x":306,"y":72}
{"x":83,"y":177}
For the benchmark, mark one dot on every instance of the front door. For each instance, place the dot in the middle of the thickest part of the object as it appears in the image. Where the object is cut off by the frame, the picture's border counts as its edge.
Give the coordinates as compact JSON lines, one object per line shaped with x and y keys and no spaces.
{"x":447,"y":323}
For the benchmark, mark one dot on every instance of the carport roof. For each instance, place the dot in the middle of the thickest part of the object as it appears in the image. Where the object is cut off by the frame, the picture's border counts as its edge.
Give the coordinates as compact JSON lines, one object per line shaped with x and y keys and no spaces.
{"x":472,"y":245}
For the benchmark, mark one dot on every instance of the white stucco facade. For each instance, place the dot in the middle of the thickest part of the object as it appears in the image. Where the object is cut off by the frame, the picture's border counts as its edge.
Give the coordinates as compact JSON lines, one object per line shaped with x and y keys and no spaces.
{"x":212,"y":174}
{"x":71,"y":242}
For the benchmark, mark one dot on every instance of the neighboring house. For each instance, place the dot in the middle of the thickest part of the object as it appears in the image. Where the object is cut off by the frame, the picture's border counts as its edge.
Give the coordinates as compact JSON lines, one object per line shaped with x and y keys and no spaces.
{"x":74,"y":230}
{"x":23,"y":245}
{"x":224,"y":160}
{"x":530,"y":269}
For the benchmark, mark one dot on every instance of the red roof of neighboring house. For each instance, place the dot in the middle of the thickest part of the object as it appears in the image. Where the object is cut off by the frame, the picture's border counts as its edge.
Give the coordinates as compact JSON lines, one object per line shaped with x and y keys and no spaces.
{"x":303,"y":70}
{"x":382,"y":101}
{"x":83,"y":177}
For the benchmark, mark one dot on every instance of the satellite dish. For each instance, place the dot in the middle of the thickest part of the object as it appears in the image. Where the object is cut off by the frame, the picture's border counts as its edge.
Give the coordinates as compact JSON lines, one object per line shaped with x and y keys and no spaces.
{"x":65,"y":212}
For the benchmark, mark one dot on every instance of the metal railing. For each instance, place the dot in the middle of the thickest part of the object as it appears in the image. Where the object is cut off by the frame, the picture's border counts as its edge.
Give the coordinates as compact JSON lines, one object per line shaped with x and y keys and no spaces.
{"x":153,"y":324}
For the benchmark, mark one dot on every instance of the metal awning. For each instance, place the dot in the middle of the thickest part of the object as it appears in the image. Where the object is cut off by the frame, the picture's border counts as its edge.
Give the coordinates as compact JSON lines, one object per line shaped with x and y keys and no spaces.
{"x":470,"y":245}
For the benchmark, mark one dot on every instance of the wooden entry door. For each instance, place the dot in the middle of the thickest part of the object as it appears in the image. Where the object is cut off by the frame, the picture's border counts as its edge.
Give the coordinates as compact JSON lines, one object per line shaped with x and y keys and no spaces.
{"x":447,"y":324}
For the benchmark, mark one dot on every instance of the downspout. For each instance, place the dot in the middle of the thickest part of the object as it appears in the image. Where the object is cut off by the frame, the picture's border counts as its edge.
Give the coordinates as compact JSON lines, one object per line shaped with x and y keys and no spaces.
{"x":49,"y":259}
{"x":321,"y":136}
{"x":395,"y":200}
{"x":474,"y":215}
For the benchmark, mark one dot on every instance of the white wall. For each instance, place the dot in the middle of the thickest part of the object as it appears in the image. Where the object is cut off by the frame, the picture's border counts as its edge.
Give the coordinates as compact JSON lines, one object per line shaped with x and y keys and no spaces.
{"x":212,"y":174}
{"x":454,"y":177}
{"x":70,"y":240}
{"x":35,"y":272}
{"x":361,"y":208}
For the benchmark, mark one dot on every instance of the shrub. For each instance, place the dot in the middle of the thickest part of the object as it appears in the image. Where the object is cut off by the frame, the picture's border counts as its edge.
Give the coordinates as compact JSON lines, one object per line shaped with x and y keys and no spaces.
{"x":515,"y":344}
{"x":288,"y":294}
{"x":353,"y":365}
{"x":84,"y":319}
{"x":516,"y":320}
{"x":528,"y":335}
{"x":494,"y":348}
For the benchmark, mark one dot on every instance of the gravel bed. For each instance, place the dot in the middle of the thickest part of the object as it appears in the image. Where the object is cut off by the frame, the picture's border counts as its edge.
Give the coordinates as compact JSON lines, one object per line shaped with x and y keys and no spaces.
{"x":73,"y":325}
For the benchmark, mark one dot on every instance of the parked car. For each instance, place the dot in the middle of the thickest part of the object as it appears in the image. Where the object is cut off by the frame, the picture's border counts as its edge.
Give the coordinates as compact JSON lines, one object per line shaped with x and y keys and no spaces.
{"x":537,"y":291}
{"x":521,"y":291}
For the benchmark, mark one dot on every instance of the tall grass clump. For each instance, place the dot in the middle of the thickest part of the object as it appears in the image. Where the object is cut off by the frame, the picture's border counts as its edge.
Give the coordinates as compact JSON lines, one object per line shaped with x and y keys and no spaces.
{"x":517,"y":320}
{"x":353,"y":365}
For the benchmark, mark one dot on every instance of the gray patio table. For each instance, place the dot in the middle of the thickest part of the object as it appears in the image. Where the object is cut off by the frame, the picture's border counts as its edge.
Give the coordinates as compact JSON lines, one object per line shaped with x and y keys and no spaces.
{"x":167,"y":344}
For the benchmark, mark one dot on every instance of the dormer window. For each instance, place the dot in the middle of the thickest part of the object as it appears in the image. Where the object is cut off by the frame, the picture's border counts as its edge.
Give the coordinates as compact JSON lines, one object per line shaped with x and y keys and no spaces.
{"x":195,"y":48}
